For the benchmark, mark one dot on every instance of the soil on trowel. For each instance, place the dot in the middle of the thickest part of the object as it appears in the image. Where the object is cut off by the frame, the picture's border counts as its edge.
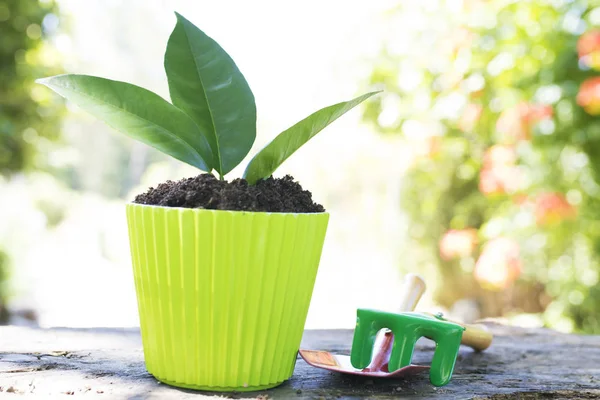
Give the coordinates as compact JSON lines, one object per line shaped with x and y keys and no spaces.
{"x":206,"y":191}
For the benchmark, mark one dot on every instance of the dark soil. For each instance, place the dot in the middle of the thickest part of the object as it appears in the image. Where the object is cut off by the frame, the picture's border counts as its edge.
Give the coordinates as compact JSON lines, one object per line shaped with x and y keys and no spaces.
{"x":206,"y":191}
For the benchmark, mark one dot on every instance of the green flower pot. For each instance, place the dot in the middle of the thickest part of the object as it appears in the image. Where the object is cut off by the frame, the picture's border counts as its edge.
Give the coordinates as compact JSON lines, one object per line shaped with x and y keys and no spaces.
{"x":223,"y":295}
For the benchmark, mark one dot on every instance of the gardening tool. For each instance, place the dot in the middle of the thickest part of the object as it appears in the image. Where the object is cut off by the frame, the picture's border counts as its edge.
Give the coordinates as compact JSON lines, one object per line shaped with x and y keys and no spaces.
{"x":407,"y":328}
{"x":392,"y":356}
{"x":412,"y":289}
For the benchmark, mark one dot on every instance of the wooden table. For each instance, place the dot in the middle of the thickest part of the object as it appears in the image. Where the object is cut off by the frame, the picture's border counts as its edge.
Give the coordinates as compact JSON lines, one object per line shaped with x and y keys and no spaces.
{"x":108,"y":363}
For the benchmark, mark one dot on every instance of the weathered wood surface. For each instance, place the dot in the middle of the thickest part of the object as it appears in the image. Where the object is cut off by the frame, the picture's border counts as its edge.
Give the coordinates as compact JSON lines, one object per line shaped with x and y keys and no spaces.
{"x":108,"y":363}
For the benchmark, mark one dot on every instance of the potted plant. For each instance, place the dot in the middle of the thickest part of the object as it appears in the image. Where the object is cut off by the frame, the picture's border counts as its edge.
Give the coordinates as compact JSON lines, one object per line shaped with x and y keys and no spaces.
{"x":224,"y":271}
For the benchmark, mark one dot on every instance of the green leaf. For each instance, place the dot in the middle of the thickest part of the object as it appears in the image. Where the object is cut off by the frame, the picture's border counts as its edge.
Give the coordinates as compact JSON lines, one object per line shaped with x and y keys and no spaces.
{"x":138,"y":113}
{"x":206,"y":84}
{"x":287,"y":142}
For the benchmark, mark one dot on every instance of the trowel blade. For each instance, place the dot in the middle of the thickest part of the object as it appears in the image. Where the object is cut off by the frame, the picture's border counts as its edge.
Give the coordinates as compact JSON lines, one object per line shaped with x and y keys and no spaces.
{"x":342,"y":364}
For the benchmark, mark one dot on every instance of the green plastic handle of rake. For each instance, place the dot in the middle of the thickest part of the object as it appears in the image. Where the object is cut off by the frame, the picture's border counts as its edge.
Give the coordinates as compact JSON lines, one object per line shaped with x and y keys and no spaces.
{"x":407,"y":328}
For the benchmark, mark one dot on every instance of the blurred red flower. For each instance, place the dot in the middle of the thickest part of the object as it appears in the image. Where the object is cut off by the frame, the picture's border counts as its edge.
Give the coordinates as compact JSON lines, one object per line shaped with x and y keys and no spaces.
{"x":589,"y":95}
{"x":499,"y":156}
{"x":552,"y":208}
{"x":427,"y":147}
{"x":521,"y":199}
{"x":588,"y":48}
{"x":515,"y":123}
{"x":457,"y":243}
{"x":470,"y":116}
{"x":499,"y":264}
{"x":499,"y":174}
{"x":461,"y":38}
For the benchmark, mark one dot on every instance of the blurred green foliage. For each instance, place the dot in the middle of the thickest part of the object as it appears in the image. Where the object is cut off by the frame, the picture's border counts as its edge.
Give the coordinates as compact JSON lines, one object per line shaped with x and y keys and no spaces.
{"x":3,"y":280}
{"x":499,"y":101}
{"x":29,"y":117}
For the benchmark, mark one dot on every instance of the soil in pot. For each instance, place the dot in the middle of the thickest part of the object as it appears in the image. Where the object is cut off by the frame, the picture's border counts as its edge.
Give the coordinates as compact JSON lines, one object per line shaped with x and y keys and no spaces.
{"x":206,"y":191}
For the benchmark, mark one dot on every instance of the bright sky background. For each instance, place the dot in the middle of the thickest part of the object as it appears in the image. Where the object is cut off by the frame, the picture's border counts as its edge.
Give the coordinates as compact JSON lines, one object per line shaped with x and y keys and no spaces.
{"x":296,"y":55}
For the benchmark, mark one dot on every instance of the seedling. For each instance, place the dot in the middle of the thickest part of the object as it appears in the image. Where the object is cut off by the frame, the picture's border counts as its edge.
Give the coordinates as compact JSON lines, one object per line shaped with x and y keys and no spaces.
{"x":211,"y":122}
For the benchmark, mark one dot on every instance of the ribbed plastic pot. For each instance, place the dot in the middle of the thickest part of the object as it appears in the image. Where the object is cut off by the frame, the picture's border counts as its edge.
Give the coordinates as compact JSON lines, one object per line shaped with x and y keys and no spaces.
{"x":223,"y":295}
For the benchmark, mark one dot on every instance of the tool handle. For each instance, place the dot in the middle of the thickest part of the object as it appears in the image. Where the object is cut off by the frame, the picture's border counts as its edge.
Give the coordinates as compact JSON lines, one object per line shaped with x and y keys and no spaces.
{"x":477,"y":337}
{"x":412,"y":289}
